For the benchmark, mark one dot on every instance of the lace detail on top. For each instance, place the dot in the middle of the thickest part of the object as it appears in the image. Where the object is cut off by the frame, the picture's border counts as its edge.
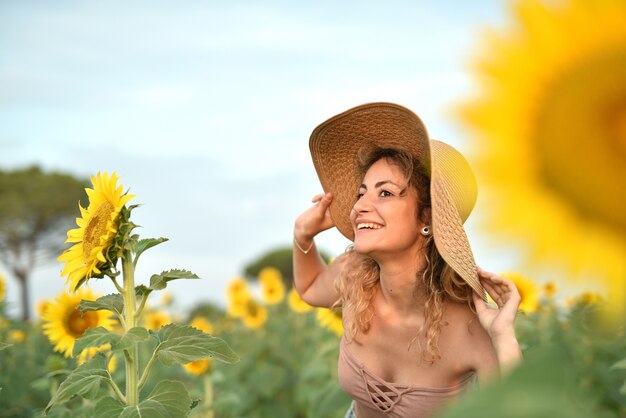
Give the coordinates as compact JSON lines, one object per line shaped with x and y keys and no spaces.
{"x":387,"y":397}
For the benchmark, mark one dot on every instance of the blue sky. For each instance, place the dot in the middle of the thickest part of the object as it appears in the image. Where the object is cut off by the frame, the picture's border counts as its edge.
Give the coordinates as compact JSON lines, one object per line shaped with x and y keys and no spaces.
{"x":204,"y":109}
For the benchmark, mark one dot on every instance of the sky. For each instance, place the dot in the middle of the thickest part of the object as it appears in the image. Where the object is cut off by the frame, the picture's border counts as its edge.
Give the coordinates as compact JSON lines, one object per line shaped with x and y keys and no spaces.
{"x":204,"y":109}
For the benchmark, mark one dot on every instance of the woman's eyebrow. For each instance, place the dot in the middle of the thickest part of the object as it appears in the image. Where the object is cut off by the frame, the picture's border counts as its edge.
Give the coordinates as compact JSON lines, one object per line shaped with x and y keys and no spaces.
{"x":381,"y":183}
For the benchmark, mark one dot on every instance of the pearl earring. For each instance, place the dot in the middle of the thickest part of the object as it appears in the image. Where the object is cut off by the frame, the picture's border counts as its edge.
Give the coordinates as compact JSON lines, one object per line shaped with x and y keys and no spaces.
{"x":426,"y":230}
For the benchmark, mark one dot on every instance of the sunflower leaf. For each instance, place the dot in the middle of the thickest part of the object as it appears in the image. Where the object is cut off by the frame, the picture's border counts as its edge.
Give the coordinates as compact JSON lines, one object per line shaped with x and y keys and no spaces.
{"x":142,"y":290}
{"x":4,"y":345}
{"x":168,"y":399}
{"x":183,"y":344}
{"x":133,"y":336}
{"x":145,"y":244}
{"x":95,"y":337}
{"x":108,"y":407}
{"x":620,"y":365}
{"x":159,"y":281}
{"x":84,"y":381}
{"x":112,"y":302}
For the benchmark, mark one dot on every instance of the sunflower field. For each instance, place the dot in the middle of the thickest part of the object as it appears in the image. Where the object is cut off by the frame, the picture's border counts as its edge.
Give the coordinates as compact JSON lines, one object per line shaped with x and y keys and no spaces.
{"x":288,"y":353}
{"x":546,"y":134}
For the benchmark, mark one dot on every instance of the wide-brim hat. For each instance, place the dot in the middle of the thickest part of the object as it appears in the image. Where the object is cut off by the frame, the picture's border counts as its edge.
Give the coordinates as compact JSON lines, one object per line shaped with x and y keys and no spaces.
{"x":336,"y":143}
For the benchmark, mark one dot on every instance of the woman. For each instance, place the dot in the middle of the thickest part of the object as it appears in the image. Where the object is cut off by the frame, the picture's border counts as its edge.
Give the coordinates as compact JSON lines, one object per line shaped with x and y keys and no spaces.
{"x":418,"y":329}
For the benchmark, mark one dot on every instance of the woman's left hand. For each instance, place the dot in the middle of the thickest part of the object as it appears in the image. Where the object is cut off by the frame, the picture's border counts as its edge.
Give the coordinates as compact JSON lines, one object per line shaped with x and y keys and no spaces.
{"x":497,"y":322}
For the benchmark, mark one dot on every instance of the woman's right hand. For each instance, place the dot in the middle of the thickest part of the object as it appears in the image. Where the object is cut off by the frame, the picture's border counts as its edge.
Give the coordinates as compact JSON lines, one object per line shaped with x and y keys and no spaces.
{"x":314,"y":220}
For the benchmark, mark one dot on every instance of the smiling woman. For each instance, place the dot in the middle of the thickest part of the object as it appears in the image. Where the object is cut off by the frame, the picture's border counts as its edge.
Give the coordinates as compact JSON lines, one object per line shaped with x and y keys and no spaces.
{"x":418,"y":330}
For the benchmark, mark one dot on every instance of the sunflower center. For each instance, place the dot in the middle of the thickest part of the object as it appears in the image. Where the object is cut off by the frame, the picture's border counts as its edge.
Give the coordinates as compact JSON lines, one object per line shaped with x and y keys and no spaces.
{"x":581,"y":138}
{"x":253,"y":309}
{"x":78,"y":322}
{"x":96,"y":228}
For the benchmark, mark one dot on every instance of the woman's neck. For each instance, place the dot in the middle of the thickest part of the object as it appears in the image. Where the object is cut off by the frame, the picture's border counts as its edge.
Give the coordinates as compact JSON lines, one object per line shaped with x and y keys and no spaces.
{"x":400,"y":286}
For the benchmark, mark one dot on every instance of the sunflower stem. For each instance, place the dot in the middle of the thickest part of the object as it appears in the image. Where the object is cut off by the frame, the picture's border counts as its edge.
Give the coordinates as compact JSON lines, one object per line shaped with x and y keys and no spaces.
{"x":144,"y":298}
{"x":117,"y":286}
{"x":132,"y":392}
{"x":146,"y":370}
{"x":116,"y":389}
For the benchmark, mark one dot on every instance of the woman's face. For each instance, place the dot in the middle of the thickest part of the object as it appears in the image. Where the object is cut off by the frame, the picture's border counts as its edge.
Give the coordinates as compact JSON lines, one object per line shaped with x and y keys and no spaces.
{"x":385,"y":216}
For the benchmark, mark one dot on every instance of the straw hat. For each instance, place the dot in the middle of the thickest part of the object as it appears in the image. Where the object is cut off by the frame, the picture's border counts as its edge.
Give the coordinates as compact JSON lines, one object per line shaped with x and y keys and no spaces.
{"x":336,"y":143}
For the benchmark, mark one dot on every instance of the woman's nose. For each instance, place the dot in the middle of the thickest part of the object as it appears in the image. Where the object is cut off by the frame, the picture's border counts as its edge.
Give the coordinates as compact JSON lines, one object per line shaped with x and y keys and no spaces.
{"x":362,"y":204}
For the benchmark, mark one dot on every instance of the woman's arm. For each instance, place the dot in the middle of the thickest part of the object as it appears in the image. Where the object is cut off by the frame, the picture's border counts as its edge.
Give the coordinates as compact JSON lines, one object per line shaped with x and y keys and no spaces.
{"x":313,"y":279}
{"x":500,"y":323}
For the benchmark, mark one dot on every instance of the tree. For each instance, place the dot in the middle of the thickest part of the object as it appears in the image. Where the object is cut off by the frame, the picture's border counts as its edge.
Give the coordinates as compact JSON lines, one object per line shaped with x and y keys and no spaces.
{"x":279,"y":258}
{"x":36,"y":210}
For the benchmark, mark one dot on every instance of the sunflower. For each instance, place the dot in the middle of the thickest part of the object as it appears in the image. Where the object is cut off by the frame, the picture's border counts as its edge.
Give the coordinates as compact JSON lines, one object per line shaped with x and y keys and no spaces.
{"x":272,"y":287}
{"x":202,"y":324}
{"x":2,"y":287}
{"x":584,"y":299}
{"x":296,"y":303}
{"x":16,"y":335}
{"x":549,"y":289}
{"x":330,"y":319}
{"x":550,"y":134}
{"x":527,"y":289}
{"x":254,"y":315}
{"x":42,"y":307}
{"x":238,"y":296}
{"x":154,"y":320}
{"x":96,"y":230}
{"x":64,"y":323}
{"x":198,"y":367}
{"x":88,"y":353}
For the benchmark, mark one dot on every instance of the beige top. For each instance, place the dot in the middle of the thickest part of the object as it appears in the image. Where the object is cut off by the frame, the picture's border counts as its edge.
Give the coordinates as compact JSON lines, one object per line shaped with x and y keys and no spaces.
{"x":375,"y":397}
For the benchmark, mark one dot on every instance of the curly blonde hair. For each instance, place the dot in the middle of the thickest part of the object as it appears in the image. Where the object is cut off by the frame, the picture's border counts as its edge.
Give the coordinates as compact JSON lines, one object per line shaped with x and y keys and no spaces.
{"x":360,"y":276}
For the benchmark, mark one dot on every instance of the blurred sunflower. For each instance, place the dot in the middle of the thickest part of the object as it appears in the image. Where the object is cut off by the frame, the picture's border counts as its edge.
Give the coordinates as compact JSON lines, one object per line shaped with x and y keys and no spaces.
{"x":585,"y":298}
{"x":272,"y":287}
{"x":64,"y":323}
{"x":154,"y":320}
{"x":254,"y":315}
{"x":2,"y":287}
{"x":296,"y":303}
{"x":549,"y":289}
{"x":202,"y":324}
{"x":96,"y":230}
{"x":527,"y":289}
{"x":42,"y":307}
{"x":16,"y":336}
{"x":198,"y":367}
{"x":88,"y":353}
{"x":238,"y":295}
{"x":550,"y":126}
{"x":330,"y":319}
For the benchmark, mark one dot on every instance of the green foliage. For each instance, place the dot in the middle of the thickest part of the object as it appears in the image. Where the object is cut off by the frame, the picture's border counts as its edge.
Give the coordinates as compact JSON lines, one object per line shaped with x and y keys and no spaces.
{"x":145,"y":244}
{"x":83,"y":381}
{"x":184,"y":344}
{"x":159,"y":281}
{"x":168,"y":399}
{"x":280,"y":258}
{"x":113,"y":303}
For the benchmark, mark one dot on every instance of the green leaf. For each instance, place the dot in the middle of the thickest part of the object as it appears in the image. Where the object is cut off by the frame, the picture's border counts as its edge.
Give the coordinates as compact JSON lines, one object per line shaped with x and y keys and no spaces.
{"x":145,"y":244}
{"x":108,"y":407}
{"x":173,"y":396}
{"x":184,"y":344}
{"x":84,"y":381}
{"x":169,"y":399}
{"x":95,"y":337}
{"x":4,"y":345}
{"x":133,"y":336}
{"x":142,"y":290}
{"x":159,"y":281}
{"x":620,"y":365}
{"x":113,"y":303}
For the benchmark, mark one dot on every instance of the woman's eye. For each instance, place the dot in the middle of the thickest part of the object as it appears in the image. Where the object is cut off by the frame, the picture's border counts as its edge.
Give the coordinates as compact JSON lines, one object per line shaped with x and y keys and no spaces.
{"x":385,"y":193}
{"x":359,"y":195}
